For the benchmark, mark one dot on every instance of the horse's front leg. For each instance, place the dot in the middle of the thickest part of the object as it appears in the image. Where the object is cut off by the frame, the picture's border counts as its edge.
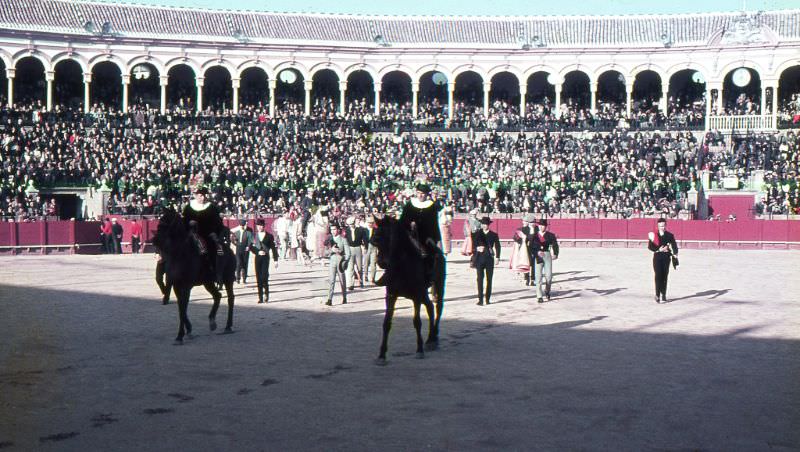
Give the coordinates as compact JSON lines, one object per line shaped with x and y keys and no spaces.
{"x":387,"y":326}
{"x":181,"y":296}
{"x":230,"y":294}
{"x":418,"y":328}
{"x":432,"y":342}
{"x":212,"y":317}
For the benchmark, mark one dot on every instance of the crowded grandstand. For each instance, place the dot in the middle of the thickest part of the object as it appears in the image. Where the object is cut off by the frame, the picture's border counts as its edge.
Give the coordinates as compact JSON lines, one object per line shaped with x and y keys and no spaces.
{"x":604,"y":116}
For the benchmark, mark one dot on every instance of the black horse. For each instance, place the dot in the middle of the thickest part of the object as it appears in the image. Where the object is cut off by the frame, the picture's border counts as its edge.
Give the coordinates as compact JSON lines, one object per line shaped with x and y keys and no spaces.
{"x":401,"y":255}
{"x":186,"y":268}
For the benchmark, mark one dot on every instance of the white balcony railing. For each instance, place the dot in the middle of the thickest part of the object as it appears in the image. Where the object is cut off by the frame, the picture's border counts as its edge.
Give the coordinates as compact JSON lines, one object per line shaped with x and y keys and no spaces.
{"x":743,"y":122}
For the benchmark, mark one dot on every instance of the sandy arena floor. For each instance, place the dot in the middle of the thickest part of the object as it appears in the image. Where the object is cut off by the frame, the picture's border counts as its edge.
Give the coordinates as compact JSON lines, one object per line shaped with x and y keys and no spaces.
{"x":87,"y":361}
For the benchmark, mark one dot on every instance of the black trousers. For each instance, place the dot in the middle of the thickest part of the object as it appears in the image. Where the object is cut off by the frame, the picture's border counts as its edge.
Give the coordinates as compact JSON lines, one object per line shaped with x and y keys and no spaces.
{"x":661,"y":262}
{"x":242,"y":262}
{"x":262,"y":277}
{"x":484,"y":265}
{"x":162,"y":281}
{"x":135,"y":245}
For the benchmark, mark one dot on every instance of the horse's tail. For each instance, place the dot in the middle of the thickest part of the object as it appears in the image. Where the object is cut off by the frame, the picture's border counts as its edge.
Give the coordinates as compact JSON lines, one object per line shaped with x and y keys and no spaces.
{"x":439,"y":275}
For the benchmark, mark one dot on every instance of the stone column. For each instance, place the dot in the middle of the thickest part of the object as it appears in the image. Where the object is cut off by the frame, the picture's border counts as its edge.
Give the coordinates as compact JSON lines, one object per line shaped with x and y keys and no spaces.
{"x":775,"y":89}
{"x":451,"y":87}
{"x":415,"y":99}
{"x":163,"y":80}
{"x":628,"y":99}
{"x":487,"y":87}
{"x":763,"y":111}
{"x":523,"y":91}
{"x":273,"y":85}
{"x":593,"y":105}
{"x":87,"y":81}
{"x":126,"y":81}
{"x":708,"y":104}
{"x":557,"y":110}
{"x":10,"y":79}
{"x":663,"y":106}
{"x":199,"y":81}
{"x":308,"y":84}
{"x":342,"y":96}
{"x":720,"y":106}
{"x":235,"y":83}
{"x":49,"y":77}
{"x":377,"y":99}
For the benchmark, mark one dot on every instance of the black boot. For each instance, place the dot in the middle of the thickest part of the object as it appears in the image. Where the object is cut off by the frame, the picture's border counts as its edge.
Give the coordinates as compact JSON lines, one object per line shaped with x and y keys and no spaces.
{"x":329,"y":302}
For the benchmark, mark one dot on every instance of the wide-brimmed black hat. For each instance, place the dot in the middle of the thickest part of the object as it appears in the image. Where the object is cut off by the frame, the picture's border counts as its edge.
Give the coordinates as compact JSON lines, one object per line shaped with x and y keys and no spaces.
{"x":260,"y":222}
{"x":423,"y":187}
{"x":201,"y":190}
{"x":543,"y":222}
{"x":486,"y":220}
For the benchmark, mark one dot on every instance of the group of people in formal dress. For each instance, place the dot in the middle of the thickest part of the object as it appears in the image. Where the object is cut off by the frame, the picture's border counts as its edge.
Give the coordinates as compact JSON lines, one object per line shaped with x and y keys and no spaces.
{"x":352,"y":257}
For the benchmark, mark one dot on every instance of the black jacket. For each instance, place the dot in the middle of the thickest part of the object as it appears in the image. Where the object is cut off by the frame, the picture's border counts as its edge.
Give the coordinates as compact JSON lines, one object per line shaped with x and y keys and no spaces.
{"x":666,"y":239}
{"x":356,"y":236}
{"x":489,"y":240}
{"x":267,"y":244}
{"x":242,"y":239}
{"x":545,"y":242}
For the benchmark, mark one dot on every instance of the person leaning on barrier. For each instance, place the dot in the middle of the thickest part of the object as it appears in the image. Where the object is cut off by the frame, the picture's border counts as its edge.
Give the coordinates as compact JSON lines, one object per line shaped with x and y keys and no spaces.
{"x":116,"y":236}
{"x":136,"y":236}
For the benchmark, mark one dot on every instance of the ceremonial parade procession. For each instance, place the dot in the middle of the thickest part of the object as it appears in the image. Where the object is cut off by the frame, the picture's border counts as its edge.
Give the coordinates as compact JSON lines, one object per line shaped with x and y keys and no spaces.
{"x":429,"y":226}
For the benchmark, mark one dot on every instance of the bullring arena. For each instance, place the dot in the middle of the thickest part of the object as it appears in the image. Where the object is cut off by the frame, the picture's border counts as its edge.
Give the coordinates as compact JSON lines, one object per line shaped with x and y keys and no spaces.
{"x":88,"y":361}
{"x":598,"y":124}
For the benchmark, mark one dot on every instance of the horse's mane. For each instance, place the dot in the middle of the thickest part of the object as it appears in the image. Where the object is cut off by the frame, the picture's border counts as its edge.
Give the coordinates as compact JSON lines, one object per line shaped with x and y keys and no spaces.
{"x":397,"y":243}
{"x":171,"y":235}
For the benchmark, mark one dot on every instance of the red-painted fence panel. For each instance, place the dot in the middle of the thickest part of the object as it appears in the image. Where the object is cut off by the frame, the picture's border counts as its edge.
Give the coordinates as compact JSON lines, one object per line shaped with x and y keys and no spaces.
{"x":60,"y":233}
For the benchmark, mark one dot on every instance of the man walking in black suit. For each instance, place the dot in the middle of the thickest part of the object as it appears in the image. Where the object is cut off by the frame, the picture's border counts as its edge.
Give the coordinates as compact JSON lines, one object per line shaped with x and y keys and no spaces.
{"x":486,"y":252}
{"x":357,"y":241}
{"x":664,"y":247}
{"x":242,"y":237}
{"x":262,"y":244}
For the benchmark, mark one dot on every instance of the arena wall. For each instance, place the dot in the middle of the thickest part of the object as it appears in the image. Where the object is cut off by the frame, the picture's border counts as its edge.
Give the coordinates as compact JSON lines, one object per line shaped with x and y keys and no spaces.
{"x":69,"y":237}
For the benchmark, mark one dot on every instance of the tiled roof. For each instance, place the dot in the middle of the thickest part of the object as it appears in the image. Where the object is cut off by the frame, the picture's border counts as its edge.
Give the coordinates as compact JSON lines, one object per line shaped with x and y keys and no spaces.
{"x":555,"y":31}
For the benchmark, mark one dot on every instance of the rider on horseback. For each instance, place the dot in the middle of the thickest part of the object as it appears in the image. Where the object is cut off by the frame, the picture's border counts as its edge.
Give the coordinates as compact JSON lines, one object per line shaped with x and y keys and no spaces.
{"x":203,"y":220}
{"x":421,"y":216}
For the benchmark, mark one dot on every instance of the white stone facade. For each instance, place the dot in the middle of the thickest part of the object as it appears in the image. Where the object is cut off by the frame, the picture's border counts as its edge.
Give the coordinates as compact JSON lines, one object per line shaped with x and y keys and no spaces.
{"x":749,"y":46}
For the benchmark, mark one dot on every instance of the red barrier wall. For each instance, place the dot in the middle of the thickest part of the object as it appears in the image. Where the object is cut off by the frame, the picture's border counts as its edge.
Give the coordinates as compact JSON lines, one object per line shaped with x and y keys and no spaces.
{"x":724,"y":205}
{"x":781,"y":234}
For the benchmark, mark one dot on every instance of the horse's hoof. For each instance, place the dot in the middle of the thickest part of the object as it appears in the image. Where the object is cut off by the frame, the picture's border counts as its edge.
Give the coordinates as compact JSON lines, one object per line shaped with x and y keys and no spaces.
{"x":178,"y":342}
{"x":431,"y":346}
{"x":212,"y":324}
{"x":380,"y":362}
{"x":228,"y":331}
{"x":420,"y":355}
